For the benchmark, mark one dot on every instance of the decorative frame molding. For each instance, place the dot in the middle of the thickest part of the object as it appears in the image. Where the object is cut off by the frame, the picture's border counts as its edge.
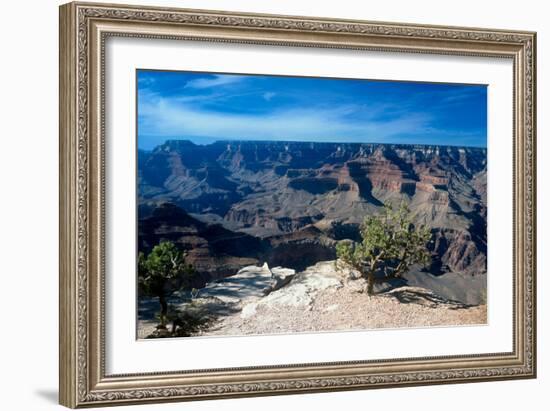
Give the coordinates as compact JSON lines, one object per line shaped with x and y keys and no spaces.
{"x":83,"y":30}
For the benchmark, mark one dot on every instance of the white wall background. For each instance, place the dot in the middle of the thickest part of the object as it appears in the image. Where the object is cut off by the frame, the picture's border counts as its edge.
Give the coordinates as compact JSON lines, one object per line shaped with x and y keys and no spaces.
{"x":29,"y":188}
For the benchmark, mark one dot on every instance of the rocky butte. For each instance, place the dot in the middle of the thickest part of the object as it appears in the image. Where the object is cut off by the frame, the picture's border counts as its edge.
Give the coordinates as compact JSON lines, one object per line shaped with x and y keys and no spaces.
{"x":233,"y":204}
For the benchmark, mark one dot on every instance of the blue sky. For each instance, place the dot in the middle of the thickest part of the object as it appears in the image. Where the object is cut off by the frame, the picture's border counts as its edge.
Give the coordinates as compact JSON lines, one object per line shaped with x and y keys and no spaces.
{"x":205,"y":107}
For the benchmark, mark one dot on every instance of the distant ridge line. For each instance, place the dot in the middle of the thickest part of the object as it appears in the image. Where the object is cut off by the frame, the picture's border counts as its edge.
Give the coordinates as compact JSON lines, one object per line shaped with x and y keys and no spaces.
{"x":294,"y":142}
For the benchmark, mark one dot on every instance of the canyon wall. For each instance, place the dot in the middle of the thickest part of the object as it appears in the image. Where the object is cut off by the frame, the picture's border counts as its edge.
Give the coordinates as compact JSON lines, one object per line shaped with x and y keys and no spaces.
{"x":286,"y":203}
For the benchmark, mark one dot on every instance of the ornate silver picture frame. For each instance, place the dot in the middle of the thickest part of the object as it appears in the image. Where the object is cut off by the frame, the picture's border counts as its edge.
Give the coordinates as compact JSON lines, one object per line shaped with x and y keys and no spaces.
{"x":84,"y":30}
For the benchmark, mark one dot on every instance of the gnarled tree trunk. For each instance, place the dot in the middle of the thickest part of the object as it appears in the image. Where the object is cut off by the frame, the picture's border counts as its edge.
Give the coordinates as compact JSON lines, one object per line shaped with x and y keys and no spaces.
{"x":370,"y":282}
{"x":163,"y":310}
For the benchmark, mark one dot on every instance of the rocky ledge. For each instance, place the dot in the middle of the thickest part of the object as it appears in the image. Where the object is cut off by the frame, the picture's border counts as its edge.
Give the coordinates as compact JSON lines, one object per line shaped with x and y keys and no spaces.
{"x":260,"y":300}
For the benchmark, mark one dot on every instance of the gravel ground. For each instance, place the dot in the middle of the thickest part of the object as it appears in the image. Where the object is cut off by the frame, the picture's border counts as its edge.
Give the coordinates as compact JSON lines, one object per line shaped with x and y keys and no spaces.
{"x":343,"y":309}
{"x":320,"y":299}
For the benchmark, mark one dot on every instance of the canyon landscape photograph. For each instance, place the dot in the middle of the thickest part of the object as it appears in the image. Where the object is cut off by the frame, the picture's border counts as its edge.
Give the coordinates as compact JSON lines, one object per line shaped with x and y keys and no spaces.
{"x":284,"y":204}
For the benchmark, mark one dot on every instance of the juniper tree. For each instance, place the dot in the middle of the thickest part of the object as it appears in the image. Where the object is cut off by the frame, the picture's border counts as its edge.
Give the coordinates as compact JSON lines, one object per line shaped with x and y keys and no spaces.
{"x":390,"y":244}
{"x":162,"y":272}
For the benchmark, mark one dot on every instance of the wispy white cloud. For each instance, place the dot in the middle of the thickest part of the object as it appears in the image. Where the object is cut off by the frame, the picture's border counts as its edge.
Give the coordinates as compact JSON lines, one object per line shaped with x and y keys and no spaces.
{"x":459,"y":96}
{"x":145,"y":82}
{"x":267,"y":96}
{"x":214,"y":81}
{"x":168,"y":117}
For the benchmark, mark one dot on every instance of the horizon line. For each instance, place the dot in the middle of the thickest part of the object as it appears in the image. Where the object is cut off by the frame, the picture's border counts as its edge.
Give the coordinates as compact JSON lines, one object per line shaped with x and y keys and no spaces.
{"x":306,"y":142}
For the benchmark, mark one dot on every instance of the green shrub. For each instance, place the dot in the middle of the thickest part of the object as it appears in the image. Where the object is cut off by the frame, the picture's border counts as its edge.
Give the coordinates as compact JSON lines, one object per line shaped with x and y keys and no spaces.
{"x":390,"y":243}
{"x":162,"y":272}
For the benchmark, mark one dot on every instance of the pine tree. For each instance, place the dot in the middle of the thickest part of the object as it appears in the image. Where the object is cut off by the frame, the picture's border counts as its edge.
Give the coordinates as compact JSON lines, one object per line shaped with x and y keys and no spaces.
{"x":390,"y":244}
{"x":162,"y":272}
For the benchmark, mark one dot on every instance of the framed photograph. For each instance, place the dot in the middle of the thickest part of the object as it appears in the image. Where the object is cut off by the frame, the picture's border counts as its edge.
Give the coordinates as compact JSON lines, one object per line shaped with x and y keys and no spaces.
{"x":259,"y":204}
